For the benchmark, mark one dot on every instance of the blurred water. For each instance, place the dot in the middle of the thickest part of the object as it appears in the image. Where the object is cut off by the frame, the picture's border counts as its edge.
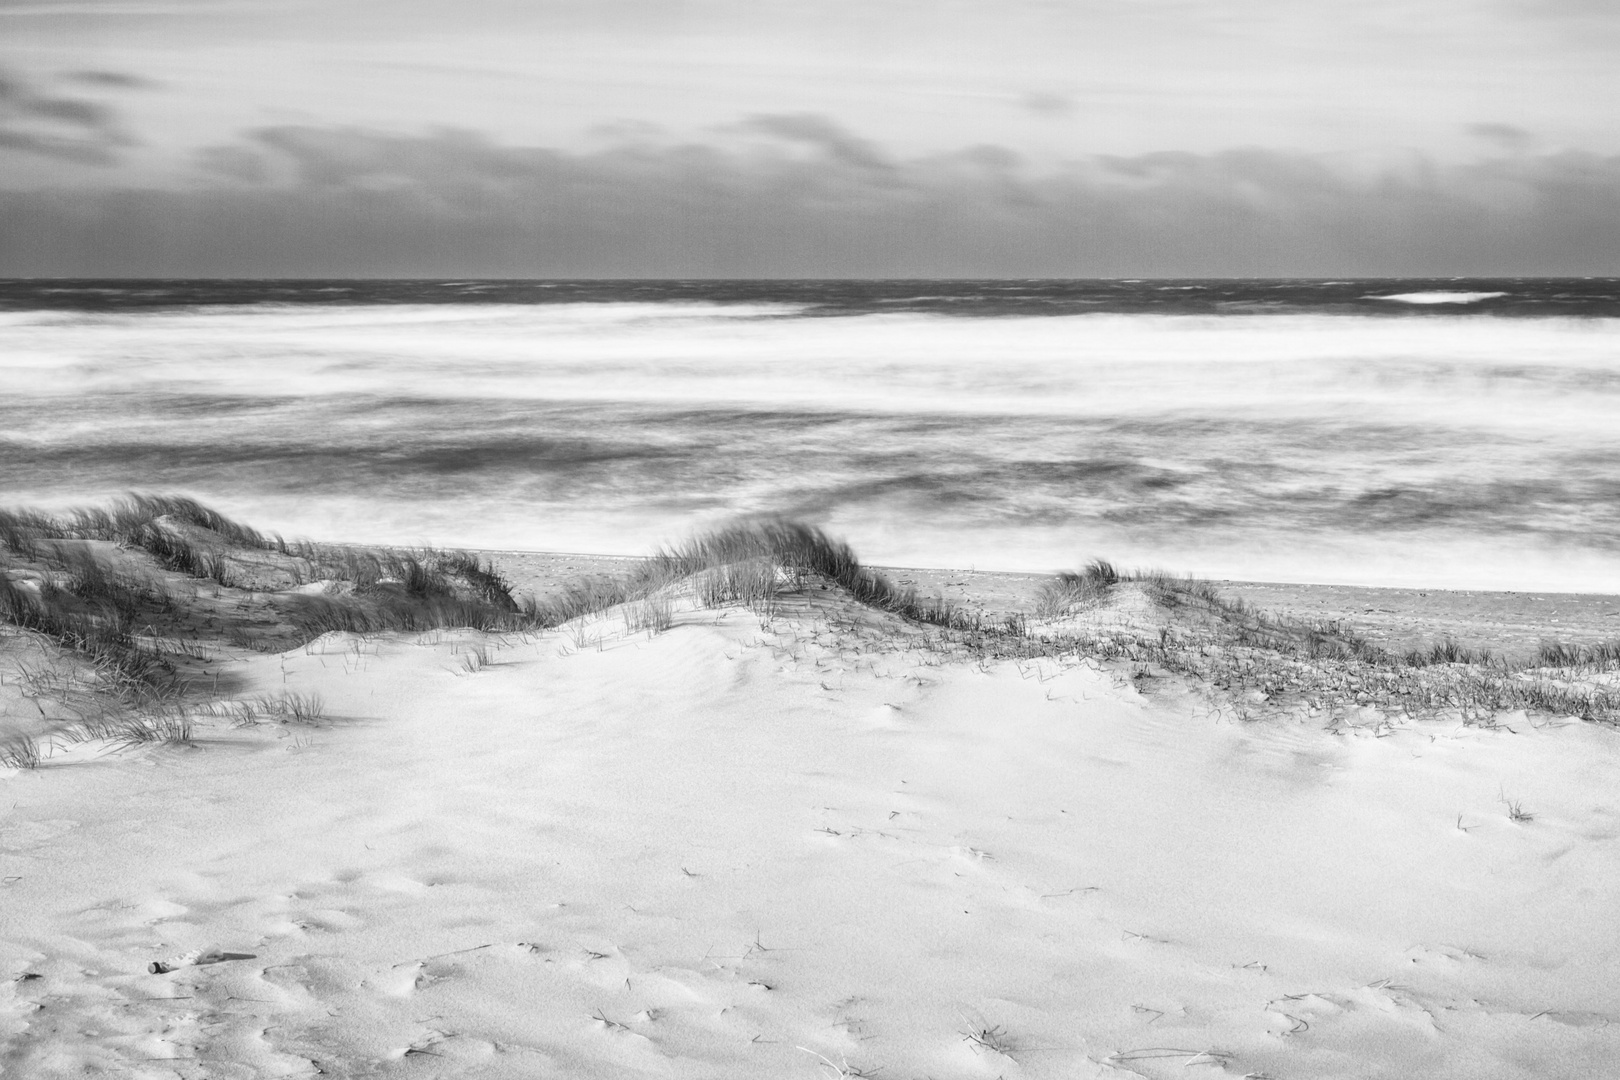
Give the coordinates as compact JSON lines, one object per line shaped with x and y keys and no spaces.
{"x":1380,"y":433}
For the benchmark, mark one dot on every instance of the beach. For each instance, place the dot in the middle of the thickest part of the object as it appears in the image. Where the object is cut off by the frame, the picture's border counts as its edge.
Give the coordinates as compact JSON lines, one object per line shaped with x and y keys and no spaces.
{"x":805,"y":834}
{"x":865,"y":540}
{"x":947,"y":680}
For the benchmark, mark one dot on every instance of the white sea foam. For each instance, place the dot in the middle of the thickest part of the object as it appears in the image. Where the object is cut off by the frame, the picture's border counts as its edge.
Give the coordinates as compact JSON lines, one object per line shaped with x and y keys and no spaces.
{"x":1439,"y":297}
{"x":1447,"y":370}
{"x":1442,"y":450}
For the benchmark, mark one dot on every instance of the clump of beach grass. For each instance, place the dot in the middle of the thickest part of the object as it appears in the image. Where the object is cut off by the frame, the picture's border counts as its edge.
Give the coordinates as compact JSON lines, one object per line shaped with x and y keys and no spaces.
{"x":790,"y":550}
{"x":382,"y":609}
{"x":109,"y":586}
{"x":1515,"y":809}
{"x":583,"y":596}
{"x":1602,"y":656}
{"x":751,"y":583}
{"x":95,"y":618}
{"x":1070,"y":590}
{"x":124,"y":520}
{"x":123,"y":726}
{"x":19,"y":752}
{"x":654,"y":614}
{"x":297,"y":708}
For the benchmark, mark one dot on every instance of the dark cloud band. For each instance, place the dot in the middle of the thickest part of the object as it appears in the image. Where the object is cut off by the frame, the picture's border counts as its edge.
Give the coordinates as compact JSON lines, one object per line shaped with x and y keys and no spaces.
{"x":803,"y":198}
{"x":65,"y":128}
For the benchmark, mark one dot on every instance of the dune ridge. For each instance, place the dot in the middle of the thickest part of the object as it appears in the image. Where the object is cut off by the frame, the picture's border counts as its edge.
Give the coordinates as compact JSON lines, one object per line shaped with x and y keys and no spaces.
{"x":749,"y":808}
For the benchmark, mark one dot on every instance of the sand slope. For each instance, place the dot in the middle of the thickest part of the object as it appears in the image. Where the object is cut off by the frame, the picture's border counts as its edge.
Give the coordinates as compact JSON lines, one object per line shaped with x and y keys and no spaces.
{"x":739,"y":850}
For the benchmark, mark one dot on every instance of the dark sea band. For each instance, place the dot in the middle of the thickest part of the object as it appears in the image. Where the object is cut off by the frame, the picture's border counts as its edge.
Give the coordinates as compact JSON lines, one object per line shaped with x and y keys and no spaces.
{"x":1520,"y":297}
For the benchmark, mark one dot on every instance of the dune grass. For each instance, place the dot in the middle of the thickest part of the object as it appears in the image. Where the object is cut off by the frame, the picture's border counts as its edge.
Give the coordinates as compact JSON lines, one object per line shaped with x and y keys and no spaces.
{"x":96,"y":619}
{"x":423,"y":572}
{"x":19,"y":752}
{"x":133,"y":520}
{"x":1604,"y":656}
{"x":750,"y":559}
{"x":113,"y":618}
{"x":1264,"y":663}
{"x":128,"y":622}
{"x":1070,"y":589}
{"x":382,"y":608}
{"x":391,"y":590}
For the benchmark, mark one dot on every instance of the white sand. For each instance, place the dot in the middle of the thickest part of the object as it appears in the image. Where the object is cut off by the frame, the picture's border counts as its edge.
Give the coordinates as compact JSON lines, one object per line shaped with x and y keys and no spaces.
{"x":724,"y":852}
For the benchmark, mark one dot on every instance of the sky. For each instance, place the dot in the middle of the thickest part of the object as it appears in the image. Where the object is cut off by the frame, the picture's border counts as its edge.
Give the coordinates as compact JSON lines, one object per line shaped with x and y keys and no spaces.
{"x":741,"y":138}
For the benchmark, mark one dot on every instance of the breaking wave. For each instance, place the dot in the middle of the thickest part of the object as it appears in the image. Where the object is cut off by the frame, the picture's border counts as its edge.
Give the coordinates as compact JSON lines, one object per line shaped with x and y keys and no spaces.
{"x":1448,"y":450}
{"x":1440,"y":297}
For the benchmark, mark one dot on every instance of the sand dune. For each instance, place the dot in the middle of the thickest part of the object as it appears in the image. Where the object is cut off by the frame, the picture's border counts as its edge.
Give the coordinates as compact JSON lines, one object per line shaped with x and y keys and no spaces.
{"x":806,"y":844}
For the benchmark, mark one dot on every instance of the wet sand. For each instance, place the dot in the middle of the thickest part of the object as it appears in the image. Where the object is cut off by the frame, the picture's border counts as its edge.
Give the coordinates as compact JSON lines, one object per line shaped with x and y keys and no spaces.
{"x":1510,"y":623}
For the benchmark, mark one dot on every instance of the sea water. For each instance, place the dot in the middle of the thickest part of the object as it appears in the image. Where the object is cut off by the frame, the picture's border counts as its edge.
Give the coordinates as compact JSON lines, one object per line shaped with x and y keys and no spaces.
{"x":1429,"y":433}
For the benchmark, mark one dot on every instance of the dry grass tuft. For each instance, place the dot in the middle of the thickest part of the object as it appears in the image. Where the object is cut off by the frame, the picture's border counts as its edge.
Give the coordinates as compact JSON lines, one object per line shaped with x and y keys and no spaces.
{"x":1515,"y":809}
{"x":95,"y":616}
{"x":19,"y":752}
{"x":1069,"y":591}
{"x":992,"y":1038}
{"x":295,"y":708}
{"x":654,"y":614}
{"x":1604,"y":656}
{"x":117,"y":588}
{"x":751,"y":583}
{"x":168,"y":722}
{"x":737,"y":558}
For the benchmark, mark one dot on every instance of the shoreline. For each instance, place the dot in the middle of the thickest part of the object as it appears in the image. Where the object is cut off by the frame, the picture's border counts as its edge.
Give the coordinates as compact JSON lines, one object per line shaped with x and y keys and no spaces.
{"x":1396,"y":619}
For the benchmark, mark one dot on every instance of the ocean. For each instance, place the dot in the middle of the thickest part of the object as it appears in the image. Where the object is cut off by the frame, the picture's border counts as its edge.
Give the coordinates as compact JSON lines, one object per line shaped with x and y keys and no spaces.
{"x":1438,"y":433}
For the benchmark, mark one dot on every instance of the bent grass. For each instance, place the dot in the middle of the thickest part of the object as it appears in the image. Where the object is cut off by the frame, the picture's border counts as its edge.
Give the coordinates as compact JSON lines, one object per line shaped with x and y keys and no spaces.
{"x":993,"y":1038}
{"x":1515,"y":808}
{"x":475,"y":658}
{"x":52,"y":584}
{"x":654,"y":614}
{"x":291,"y":707}
{"x":19,"y":752}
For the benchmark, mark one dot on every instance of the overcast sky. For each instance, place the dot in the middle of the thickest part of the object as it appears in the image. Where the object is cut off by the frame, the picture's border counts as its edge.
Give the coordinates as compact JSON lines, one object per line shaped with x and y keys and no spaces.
{"x":757,"y":137}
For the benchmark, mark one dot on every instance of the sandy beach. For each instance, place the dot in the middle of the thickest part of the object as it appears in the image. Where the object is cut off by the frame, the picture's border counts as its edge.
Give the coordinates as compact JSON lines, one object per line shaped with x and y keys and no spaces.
{"x":859,"y":540}
{"x":804,"y":838}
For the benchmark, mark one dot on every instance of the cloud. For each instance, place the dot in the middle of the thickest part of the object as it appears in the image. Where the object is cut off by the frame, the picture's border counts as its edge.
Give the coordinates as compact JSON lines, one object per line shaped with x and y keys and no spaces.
{"x":118,"y":80}
{"x":1506,"y":136}
{"x":239,"y":163}
{"x":818,"y":133}
{"x":797,"y":196}
{"x":1049,"y":105}
{"x":98,"y":9}
{"x":64,"y":128}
